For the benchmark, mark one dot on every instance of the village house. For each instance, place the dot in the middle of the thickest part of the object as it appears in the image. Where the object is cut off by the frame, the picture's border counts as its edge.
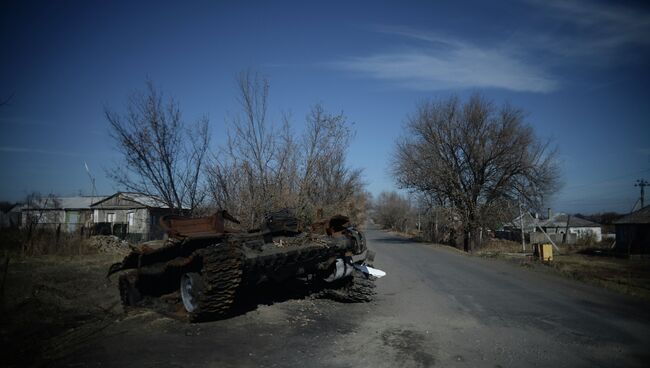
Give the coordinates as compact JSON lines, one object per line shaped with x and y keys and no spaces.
{"x":11,"y":218}
{"x":68,"y":214}
{"x":137,"y":214}
{"x":559,"y":227}
{"x":561,"y":223}
{"x":633,"y":232}
{"x":128,"y":215}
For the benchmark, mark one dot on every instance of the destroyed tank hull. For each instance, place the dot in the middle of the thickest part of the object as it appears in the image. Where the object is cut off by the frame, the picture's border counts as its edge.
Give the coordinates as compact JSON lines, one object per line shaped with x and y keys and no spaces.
{"x":209,"y":265}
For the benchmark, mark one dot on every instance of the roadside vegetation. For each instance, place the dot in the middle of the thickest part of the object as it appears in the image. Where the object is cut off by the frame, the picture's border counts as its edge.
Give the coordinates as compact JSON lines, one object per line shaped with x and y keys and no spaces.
{"x":265,"y":165}
{"x":473,"y":163}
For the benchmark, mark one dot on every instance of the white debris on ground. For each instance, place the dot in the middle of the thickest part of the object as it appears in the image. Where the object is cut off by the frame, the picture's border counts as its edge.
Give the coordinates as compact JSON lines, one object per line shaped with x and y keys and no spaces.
{"x":109,"y":244}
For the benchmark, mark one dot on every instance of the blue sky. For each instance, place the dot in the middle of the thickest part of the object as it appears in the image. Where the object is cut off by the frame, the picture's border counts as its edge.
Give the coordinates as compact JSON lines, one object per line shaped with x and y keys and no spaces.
{"x":579,"y":69}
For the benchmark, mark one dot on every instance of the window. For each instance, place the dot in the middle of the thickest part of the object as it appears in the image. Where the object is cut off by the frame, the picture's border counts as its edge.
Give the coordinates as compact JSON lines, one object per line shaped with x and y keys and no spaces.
{"x":129,"y":218}
{"x":110,"y":217}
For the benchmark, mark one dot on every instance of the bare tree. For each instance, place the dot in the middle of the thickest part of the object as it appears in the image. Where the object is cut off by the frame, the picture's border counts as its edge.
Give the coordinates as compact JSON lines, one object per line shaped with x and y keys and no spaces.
{"x":326,"y":180}
{"x":243,"y":177}
{"x":162,"y":155}
{"x":475,"y":158}
{"x":38,"y":221}
{"x":266,"y":166}
{"x":394,"y":212}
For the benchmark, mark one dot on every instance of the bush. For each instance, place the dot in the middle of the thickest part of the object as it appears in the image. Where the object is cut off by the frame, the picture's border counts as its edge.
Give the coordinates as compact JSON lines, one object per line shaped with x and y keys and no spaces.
{"x":44,"y":241}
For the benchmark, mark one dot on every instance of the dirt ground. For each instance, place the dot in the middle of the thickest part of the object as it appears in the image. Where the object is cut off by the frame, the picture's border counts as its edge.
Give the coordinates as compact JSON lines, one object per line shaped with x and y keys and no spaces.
{"x":57,"y":310}
{"x":52,"y":303}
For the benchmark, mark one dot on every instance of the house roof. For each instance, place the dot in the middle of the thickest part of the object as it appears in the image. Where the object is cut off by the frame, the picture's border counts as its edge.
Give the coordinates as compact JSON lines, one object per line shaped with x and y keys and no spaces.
{"x":560,"y":220}
{"x":529,"y":221}
{"x":63,"y":203}
{"x":557,"y":220}
{"x":140,"y":198}
{"x":641,"y":216}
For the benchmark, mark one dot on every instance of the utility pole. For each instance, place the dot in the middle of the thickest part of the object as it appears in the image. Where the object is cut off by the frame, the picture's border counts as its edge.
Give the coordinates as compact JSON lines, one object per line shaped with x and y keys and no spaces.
{"x":521,"y":224}
{"x":641,"y":183}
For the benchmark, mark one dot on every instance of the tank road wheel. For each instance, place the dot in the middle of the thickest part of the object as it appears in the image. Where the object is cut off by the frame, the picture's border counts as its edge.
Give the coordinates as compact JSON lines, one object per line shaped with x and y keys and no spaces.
{"x":191,"y":284}
{"x":212,"y":293}
{"x":358,"y":288}
{"x":129,"y":293}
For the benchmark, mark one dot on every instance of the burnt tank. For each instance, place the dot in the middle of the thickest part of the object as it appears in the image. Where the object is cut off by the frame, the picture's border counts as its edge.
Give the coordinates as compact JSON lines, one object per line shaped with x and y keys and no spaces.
{"x":208,"y":262}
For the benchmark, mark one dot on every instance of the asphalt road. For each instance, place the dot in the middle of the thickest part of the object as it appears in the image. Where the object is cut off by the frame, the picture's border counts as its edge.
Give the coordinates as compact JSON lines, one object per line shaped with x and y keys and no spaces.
{"x":436,"y":307}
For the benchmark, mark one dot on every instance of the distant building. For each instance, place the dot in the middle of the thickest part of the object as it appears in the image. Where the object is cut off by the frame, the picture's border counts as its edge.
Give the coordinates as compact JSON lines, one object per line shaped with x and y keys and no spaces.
{"x":68,"y":214}
{"x":11,"y":218}
{"x":136,"y":214}
{"x":633,"y":232}
{"x":128,"y":215}
{"x":557,"y":224}
{"x":527,"y":220}
{"x":555,"y":227}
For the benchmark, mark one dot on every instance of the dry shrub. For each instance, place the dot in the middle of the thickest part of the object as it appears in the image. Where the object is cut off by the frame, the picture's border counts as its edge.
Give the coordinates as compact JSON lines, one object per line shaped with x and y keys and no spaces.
{"x":42,"y":242}
{"x":502,"y":246}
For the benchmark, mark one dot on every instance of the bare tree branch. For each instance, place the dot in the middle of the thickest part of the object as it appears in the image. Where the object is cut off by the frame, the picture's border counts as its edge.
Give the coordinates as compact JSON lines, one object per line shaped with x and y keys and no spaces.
{"x":161,"y":156}
{"x":267,"y":166}
{"x":475,"y":158}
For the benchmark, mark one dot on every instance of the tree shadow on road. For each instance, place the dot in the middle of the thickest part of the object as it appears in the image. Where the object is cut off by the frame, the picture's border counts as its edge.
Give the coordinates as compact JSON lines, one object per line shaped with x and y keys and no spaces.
{"x":393,"y":240}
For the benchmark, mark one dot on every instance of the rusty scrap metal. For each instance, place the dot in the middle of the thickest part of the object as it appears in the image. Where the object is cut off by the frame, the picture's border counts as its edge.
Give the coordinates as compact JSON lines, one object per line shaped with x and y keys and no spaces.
{"x":182,"y":227}
{"x":215,"y":260}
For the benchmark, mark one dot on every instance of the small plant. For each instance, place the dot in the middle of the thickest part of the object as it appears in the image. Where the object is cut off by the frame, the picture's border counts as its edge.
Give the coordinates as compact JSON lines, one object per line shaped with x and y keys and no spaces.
{"x":585,"y":239}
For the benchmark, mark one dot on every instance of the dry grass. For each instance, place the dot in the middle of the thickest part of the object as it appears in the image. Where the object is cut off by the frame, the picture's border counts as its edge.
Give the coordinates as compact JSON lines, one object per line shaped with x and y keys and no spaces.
{"x":630,"y":276}
{"x":53,"y":302}
{"x":495,"y":247}
{"x":594,"y":264}
{"x":21,"y":243}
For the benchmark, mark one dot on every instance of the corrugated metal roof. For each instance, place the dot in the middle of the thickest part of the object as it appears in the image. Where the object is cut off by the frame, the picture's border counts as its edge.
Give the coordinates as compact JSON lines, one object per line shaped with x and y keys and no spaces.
{"x":143,"y":199}
{"x":560,"y":219}
{"x":557,"y":220}
{"x":529,"y":221}
{"x":146,"y":200}
{"x":64,"y":203}
{"x":641,"y":216}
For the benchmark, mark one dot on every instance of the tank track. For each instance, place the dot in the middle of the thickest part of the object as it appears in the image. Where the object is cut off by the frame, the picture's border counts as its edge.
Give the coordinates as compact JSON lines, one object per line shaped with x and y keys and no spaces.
{"x":286,"y":261}
{"x":220,"y":275}
{"x":359,"y":288}
{"x":129,"y":293}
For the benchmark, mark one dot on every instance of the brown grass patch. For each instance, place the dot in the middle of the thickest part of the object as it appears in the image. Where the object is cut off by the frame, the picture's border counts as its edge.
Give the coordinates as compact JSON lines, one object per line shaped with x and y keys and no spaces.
{"x":494,"y":247}
{"x":594,"y":264}
{"x":630,"y":276}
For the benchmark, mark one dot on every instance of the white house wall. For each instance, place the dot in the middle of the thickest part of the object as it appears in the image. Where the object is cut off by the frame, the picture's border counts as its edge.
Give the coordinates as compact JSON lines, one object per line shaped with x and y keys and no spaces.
{"x":42,"y":216}
{"x":140,"y":218}
{"x":71,"y":220}
{"x":582,"y":232}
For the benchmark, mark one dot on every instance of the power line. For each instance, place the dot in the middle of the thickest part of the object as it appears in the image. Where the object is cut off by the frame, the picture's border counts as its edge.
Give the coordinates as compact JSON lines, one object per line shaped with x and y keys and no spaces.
{"x":641,"y":183}
{"x":605,"y":181}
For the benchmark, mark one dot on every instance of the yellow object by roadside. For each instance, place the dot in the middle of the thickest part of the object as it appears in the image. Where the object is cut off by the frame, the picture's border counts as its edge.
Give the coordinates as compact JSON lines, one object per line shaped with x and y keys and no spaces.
{"x":546,"y":252}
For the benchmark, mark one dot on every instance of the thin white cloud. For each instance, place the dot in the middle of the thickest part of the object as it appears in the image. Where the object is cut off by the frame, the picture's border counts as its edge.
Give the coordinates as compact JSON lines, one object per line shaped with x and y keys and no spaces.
{"x":606,"y":18}
{"x":558,"y":34}
{"x":445,"y":63}
{"x":25,"y":121}
{"x":596,"y":32}
{"x":35,"y":150}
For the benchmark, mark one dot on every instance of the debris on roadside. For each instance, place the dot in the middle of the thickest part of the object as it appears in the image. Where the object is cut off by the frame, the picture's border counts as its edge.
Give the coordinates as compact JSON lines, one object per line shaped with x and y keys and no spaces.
{"x":110,"y":244}
{"x":209,"y":263}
